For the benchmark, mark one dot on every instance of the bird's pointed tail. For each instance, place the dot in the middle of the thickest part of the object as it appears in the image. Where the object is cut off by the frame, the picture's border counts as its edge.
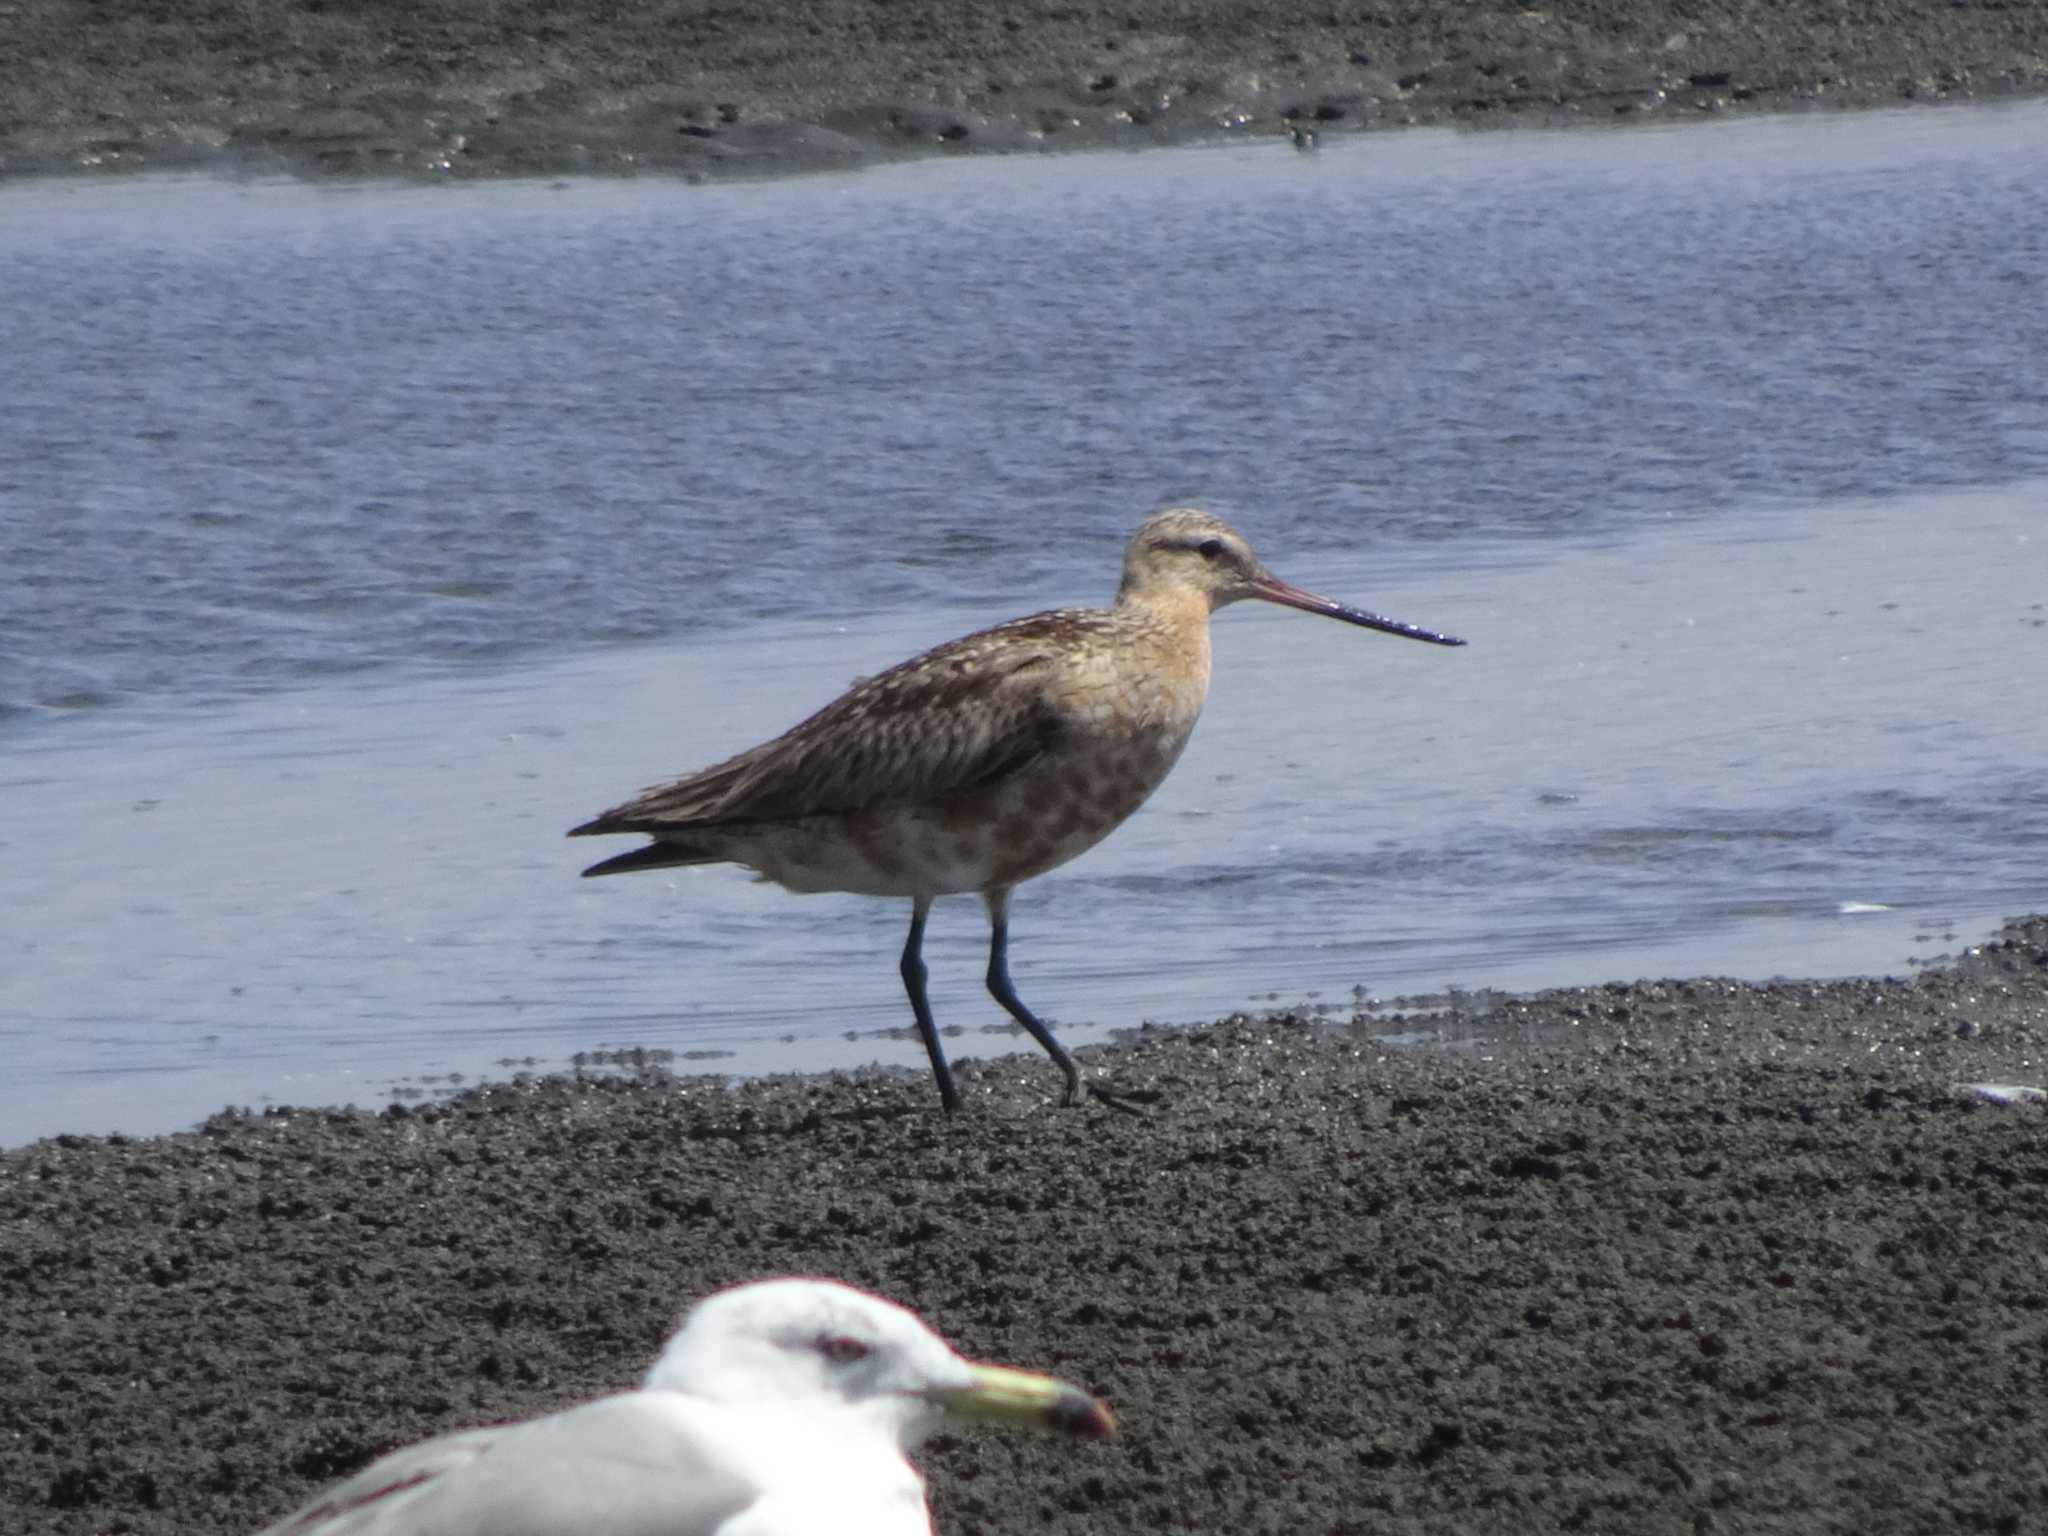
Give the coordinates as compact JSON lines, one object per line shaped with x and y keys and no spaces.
{"x":656,"y":855}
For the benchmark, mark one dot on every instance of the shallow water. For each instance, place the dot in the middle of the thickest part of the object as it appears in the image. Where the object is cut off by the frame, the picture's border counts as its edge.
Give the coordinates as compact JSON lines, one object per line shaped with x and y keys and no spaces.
{"x":359,"y":541}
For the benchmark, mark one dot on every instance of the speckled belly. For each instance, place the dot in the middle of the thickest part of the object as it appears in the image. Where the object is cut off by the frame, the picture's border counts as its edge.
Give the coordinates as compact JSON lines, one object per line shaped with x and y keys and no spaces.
{"x":1056,"y":808}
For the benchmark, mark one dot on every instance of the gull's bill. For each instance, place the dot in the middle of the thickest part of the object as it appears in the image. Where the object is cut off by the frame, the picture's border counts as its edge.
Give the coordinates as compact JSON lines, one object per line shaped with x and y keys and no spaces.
{"x":779,"y":1408}
{"x":1000,"y":1395}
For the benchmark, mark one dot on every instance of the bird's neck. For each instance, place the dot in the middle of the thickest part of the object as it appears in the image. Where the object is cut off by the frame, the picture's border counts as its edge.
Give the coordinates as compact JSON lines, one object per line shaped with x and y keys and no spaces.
{"x":1181,"y":609}
{"x":1174,"y":623}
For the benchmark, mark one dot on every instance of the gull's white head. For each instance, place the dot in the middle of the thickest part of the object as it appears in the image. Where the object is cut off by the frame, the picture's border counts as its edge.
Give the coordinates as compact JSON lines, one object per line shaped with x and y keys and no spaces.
{"x":817,"y":1344}
{"x":786,"y":1405}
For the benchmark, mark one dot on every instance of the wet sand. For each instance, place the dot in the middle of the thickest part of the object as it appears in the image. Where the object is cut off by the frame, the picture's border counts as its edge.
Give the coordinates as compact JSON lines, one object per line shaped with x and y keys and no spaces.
{"x":449,"y":88}
{"x":1671,"y":1257}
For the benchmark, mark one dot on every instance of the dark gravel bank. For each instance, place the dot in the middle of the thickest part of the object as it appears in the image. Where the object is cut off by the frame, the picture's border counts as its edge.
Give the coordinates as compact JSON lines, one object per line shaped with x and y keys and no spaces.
{"x":1672,"y":1257}
{"x":498,"y":87}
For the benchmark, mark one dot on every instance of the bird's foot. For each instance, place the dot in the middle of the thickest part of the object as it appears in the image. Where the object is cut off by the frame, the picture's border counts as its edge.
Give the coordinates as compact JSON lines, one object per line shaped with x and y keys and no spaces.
{"x":1125,"y":1101}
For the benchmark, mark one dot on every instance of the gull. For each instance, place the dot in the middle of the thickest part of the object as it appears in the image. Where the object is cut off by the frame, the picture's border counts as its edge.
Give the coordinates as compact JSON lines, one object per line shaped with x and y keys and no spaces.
{"x":984,"y":762}
{"x":779,"y":1408}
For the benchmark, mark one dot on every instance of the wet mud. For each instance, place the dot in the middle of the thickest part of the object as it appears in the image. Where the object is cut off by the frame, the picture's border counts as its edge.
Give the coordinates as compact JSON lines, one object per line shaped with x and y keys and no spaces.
{"x":1680,"y":1256}
{"x":449,"y":88}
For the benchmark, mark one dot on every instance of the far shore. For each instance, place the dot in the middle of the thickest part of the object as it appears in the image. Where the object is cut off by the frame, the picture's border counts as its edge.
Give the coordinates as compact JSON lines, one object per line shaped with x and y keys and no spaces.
{"x":451,"y":91}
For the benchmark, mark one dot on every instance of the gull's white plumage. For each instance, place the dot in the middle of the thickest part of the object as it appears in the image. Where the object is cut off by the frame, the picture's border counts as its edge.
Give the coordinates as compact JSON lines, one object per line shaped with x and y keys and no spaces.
{"x":779,"y":1408}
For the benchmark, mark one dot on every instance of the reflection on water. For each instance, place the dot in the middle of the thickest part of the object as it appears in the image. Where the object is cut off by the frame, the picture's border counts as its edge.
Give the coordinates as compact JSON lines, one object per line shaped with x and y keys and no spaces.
{"x":358,"y":543}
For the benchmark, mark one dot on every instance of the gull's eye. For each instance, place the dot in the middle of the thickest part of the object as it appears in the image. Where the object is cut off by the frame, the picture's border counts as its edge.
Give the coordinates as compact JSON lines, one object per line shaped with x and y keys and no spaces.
{"x":844,"y":1351}
{"x":1210,"y":549}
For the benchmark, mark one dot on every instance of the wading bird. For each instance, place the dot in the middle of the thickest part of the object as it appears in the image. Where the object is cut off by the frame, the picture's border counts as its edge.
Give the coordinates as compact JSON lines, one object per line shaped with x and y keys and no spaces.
{"x":983,"y":762}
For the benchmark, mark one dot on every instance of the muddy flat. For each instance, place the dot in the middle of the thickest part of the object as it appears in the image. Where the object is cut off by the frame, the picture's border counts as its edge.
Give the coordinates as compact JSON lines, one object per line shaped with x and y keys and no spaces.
{"x":447,"y":89}
{"x":1677,"y":1256}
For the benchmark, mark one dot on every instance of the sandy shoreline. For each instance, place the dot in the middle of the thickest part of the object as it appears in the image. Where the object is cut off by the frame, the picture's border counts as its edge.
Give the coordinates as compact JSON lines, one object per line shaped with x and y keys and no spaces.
{"x":445,"y":89}
{"x":1678,"y":1256}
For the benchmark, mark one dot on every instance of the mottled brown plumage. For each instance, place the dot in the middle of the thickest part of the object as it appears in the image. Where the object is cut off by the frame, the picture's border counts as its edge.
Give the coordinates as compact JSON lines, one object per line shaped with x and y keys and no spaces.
{"x":983,"y":762}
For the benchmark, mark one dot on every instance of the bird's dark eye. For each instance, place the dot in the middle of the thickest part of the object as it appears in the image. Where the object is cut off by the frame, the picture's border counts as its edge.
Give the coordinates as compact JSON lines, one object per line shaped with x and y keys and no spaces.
{"x":843,"y":1351}
{"x":1210,"y":549}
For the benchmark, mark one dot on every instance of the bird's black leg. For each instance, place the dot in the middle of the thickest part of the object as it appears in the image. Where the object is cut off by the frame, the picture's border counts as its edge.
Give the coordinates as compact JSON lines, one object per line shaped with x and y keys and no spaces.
{"x":913,"y":983}
{"x":999,"y":987}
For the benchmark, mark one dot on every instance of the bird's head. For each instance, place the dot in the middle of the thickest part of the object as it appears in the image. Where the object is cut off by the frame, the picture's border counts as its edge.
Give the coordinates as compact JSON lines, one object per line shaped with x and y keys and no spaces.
{"x":1189,"y":550}
{"x":1185,"y":550}
{"x":819,"y":1344}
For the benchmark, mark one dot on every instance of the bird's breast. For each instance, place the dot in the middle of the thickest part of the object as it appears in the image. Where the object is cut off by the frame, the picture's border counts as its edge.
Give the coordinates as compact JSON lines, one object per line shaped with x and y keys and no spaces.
{"x":1072,"y":797}
{"x":1122,"y":706}
{"x":1124,"y":712}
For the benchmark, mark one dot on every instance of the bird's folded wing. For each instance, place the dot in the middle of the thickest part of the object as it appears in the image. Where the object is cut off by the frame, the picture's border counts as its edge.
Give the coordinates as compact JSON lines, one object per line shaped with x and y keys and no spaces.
{"x":371,"y":1500}
{"x":923,"y":730}
{"x":617,"y":1467}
